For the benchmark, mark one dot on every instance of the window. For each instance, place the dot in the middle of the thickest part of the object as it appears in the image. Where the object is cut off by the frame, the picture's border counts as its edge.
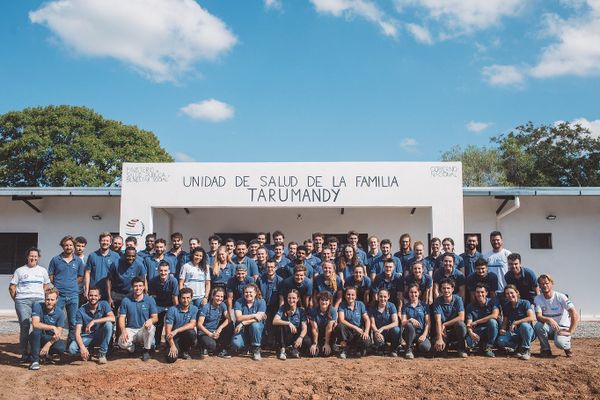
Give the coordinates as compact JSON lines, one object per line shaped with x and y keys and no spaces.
{"x":541,"y":240}
{"x":12,"y":250}
{"x":478,"y":240}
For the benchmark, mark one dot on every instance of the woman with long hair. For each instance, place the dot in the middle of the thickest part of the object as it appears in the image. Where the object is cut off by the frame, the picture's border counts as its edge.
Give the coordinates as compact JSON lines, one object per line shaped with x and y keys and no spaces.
{"x":323,"y":319}
{"x":415,"y":323}
{"x":222,"y":267}
{"x":328,"y":281}
{"x":353,"y":324}
{"x":347,"y":261}
{"x":214,"y":329}
{"x":196,"y":276}
{"x":292,"y":326}
{"x":517,"y":330}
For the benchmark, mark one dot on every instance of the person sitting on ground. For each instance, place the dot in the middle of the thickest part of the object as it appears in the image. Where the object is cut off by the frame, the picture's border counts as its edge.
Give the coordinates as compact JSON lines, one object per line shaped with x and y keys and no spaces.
{"x":384,"y":323}
{"x":47,"y":321}
{"x":323,"y":319}
{"x":353,"y":325}
{"x":517,"y":330}
{"x":291,"y":323}
{"x":416,"y":323}
{"x":180,"y":322}
{"x":449,"y":314}
{"x":482,"y":321}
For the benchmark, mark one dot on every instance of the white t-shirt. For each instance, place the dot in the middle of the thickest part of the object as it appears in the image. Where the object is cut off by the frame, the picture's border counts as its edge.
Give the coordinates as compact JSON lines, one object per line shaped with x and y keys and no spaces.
{"x":195,"y":279}
{"x":30,"y":282}
{"x":555,"y":307}
{"x":498,"y":264}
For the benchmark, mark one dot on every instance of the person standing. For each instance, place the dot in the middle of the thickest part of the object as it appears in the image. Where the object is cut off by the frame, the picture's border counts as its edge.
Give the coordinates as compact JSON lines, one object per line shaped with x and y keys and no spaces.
{"x":98,"y":266}
{"x":497,"y":259}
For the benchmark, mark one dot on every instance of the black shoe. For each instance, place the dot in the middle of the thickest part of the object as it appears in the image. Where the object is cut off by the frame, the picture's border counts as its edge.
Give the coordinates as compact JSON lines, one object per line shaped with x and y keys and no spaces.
{"x":146,"y":356}
{"x":203,"y":354}
{"x":186,"y":356}
{"x":224,"y":354}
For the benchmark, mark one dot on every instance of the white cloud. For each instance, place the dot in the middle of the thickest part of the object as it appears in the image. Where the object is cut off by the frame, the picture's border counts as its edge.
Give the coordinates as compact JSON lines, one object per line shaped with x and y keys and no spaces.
{"x":464,"y":16}
{"x":273,"y":4}
{"x":477,"y":127}
{"x":409,"y":144}
{"x":364,"y":8}
{"x":420,"y":33}
{"x":503,"y":75}
{"x":592,"y":126}
{"x":184,"y":157}
{"x":162,"y":39}
{"x":209,"y":110}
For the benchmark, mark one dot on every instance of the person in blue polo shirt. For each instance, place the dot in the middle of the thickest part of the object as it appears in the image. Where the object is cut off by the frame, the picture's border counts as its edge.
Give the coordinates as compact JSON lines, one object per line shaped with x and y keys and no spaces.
{"x":149,"y":242}
{"x":180,"y":322}
{"x":98,"y":266}
{"x":471,"y":255}
{"x":419,"y":250}
{"x":352,"y":240}
{"x":236,"y":285}
{"x":66,"y":272}
{"x":214,"y":328}
{"x":165,"y":291}
{"x":449,"y":314}
{"x":415,"y":323}
{"x":299,"y":282}
{"x":448,"y":270}
{"x":391,"y":281}
{"x":483,"y":276}
{"x":176,"y":253}
{"x":328,"y":281}
{"x":280,"y":258}
{"x":374,"y":251}
{"x":376,"y":265}
{"x":118,"y":282}
{"x":250,"y":315}
{"x":517,"y":330}
{"x":241,"y":251}
{"x":482,"y":321}
{"x":47,"y":321}
{"x":222,"y":269}
{"x":361,"y":282}
{"x":292,"y":326}
{"x":94,"y":327}
{"x":384,"y":323}
{"x":448,"y":246}
{"x":137,"y":317}
{"x":323,"y":319}
{"x":523,"y":278}
{"x":422,"y":279}
{"x":151,"y":263}
{"x":354,"y":325}
{"x":269,"y":283}
{"x":405,"y":254}
{"x":347,"y":261}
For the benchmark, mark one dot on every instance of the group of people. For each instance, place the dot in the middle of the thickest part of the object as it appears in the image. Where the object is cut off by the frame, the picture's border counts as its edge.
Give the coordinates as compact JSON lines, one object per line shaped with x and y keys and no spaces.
{"x":316,"y":298}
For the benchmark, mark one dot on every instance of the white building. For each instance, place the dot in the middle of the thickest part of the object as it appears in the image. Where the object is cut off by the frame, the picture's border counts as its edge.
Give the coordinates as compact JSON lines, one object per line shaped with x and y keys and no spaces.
{"x":382,"y":199}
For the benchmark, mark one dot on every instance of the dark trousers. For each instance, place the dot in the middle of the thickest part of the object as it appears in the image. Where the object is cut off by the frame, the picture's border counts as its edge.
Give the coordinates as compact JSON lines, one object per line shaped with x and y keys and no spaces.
{"x":38,"y":338}
{"x":410,"y":335}
{"x":286,"y":339}
{"x":351,"y":337}
{"x":162,"y":311}
{"x":215,"y":345}
{"x":456,"y":333}
{"x":184,"y":341}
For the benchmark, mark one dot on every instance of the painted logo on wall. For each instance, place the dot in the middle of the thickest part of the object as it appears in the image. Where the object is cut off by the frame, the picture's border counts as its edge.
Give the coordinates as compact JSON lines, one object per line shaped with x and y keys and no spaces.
{"x":135,"y":227}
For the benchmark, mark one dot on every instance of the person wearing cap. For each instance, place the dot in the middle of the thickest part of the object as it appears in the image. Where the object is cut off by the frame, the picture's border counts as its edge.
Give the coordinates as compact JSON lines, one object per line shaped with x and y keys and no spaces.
{"x":165,"y":290}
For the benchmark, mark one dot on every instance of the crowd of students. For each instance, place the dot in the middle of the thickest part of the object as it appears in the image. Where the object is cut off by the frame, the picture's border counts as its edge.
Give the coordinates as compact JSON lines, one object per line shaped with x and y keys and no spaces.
{"x":318,"y":298}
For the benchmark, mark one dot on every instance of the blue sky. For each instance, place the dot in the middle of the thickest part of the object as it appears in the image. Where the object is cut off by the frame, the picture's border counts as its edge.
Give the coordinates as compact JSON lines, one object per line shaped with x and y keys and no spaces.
{"x":308,"y":80}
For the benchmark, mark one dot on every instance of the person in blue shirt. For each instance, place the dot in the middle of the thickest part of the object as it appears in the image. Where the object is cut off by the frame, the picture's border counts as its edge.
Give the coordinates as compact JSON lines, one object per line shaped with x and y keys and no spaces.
{"x":98,"y":266}
{"x":384,"y":323}
{"x":391,"y":281}
{"x":269,"y":284}
{"x":374,"y":251}
{"x":241,"y":251}
{"x":435,"y":251}
{"x":471,"y":255}
{"x":214,"y":243}
{"x":176,"y":253}
{"x":346,"y":262}
{"x":236,"y":285}
{"x":222,"y":268}
{"x":94,"y":327}
{"x":523,"y":278}
{"x":180,"y":324}
{"x":328,"y":281}
{"x":352,"y":240}
{"x":422,"y":279}
{"x":66,"y":273}
{"x":326,"y":256}
{"x":449,"y":314}
{"x":354,"y":325}
{"x":280,"y":258}
{"x":262,"y":255}
{"x":448,"y":270}
{"x":448,"y":246}
{"x":151,"y":263}
{"x":47,"y":321}
{"x":405,"y":253}
{"x":483,"y":276}
{"x":361,"y":282}
{"x":117,"y":244}
{"x":415,"y":323}
{"x":214,"y":327}
{"x":137,"y":316}
{"x":292,"y":326}
{"x":377,"y":264}
{"x":299,"y":282}
{"x":517,"y":330}
{"x":419,"y":252}
{"x":149,"y":242}
{"x":482,"y":322}
{"x":250,"y":315}
{"x":164,"y":289}
{"x":322,"y":319}
{"x":118,"y":282}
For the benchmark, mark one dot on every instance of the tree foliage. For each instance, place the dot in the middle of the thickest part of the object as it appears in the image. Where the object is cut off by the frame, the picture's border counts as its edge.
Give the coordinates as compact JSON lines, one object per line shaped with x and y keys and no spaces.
{"x":481,"y":166}
{"x":70,"y":146}
{"x":550,"y":155}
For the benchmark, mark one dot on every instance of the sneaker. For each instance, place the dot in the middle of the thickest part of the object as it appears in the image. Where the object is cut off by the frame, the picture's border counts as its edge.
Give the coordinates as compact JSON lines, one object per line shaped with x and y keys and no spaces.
{"x":256,"y":354}
{"x":34,"y":366}
{"x":203,"y":354}
{"x":343,"y":355}
{"x":463,"y":354}
{"x":393,"y":354}
{"x":545,"y":353}
{"x":409,"y":354}
{"x":362,"y":353}
{"x":282,"y":355}
{"x":488,"y":352}
{"x":102,"y":358}
{"x":569,"y":352}
{"x":295,"y":353}
{"x":508,"y":350}
{"x":146,"y":356}
{"x":524,"y":354}
{"x":186,"y":356}
{"x":224,"y":354}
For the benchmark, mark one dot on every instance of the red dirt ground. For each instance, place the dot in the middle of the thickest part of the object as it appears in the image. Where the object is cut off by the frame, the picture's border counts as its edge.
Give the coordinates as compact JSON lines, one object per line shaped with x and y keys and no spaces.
{"x":372,"y":377}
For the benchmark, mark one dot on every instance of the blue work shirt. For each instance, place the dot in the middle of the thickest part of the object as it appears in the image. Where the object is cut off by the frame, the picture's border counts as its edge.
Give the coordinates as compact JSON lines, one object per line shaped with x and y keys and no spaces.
{"x":450,"y":310}
{"x":469,"y":262}
{"x":377,"y":265}
{"x":223,"y":276}
{"x":384,"y":317}
{"x":99,"y":267}
{"x":54,"y":318}
{"x":65,"y":274}
{"x":490,"y":281}
{"x":237,"y":287}
{"x":458,"y":262}
{"x":405,"y":258}
{"x":354,"y":316}
{"x":475,"y":311}
{"x":322,"y":319}
{"x":270,"y":290}
{"x":137,"y":312}
{"x":519,"y":311}
{"x":259,"y":305}
{"x":417,"y":312}
{"x":361,"y":287}
{"x":321,"y":284}
{"x":163,"y":292}
{"x":152,"y":263}
{"x":526,"y":283}
{"x":428,"y":265}
{"x":177,"y":318}
{"x":394,"y":285}
{"x":122,"y":274}
{"x":297,"y":318}
{"x":213,"y":316}
{"x":84,"y":315}
{"x":305,"y":288}
{"x":456,"y":275}
{"x":250,"y":264}
{"x":426,"y":282}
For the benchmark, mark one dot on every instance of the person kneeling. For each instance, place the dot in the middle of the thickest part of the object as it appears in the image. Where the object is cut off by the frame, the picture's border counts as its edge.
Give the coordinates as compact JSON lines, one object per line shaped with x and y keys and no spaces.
{"x":482,"y":321}
{"x":214,"y":329}
{"x":354,"y":324}
{"x":250,"y":314}
{"x":517,"y":330}
{"x":384,"y":323}
{"x":94,"y":327}
{"x":449,"y":313}
{"x":180,"y":322}
{"x":292,"y":326}
{"x":47,"y":322}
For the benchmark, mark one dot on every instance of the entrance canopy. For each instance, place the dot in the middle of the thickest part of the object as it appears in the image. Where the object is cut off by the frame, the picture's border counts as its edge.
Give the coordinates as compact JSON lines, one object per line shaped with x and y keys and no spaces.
{"x":436,"y":185}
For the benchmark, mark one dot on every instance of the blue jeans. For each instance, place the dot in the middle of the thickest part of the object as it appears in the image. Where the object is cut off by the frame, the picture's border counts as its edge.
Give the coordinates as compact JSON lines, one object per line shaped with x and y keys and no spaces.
{"x":72,"y":305}
{"x":522,"y":337}
{"x":250,"y":334}
{"x":23,"y":308}
{"x":38,"y":339}
{"x":392,"y":336}
{"x":544,"y":332}
{"x":487,"y":335}
{"x":100,"y":337}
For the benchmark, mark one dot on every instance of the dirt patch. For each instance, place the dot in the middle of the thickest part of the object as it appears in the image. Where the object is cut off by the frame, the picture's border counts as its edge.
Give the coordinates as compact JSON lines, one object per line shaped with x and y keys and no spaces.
{"x":372,"y":377}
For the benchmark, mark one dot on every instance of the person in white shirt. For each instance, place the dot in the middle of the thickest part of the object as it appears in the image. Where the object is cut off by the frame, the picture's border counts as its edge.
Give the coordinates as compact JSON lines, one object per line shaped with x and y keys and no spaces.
{"x":557,"y":318}
{"x":26,"y":288}
{"x":497,"y":259}
{"x":196,"y":275}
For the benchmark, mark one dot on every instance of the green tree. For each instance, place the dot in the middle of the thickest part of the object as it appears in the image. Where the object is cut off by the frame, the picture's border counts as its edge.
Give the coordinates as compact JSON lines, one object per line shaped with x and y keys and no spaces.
{"x":481,"y":166}
{"x":550,"y":155}
{"x":70,"y":146}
